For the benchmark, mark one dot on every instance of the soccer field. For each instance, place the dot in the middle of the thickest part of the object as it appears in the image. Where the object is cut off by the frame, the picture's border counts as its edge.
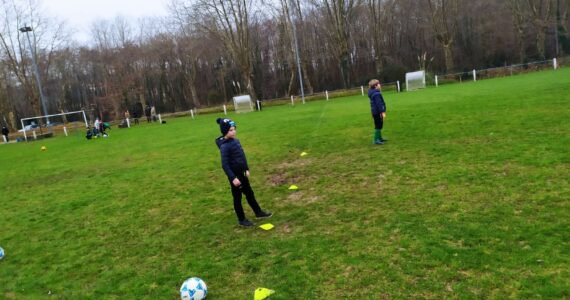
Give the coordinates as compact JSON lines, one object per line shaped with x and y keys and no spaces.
{"x":470,"y":198}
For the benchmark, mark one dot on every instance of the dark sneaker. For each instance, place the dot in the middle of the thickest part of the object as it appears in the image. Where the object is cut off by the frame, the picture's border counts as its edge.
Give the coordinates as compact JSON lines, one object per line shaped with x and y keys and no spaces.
{"x":246,"y":223}
{"x":378,"y":142}
{"x":264,"y":214}
{"x":384,"y":140}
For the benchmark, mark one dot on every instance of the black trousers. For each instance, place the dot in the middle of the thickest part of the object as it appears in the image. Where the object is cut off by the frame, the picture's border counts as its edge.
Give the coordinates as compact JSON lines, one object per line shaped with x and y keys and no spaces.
{"x":378,"y":121}
{"x":244,"y":188}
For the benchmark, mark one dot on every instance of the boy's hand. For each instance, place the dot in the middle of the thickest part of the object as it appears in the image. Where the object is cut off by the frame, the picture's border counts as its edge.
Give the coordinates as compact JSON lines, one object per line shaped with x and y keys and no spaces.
{"x":383,"y":115}
{"x":247,"y":173}
{"x":236,"y":182}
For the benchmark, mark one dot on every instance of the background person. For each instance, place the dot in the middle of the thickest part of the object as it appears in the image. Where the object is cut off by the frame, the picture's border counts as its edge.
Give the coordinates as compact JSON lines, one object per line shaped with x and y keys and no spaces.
{"x":153,"y":113}
{"x":147,"y":113}
{"x":127,"y":115}
{"x":89,"y":133}
{"x":136,"y":117}
{"x":96,"y":126}
{"x":5,"y":133}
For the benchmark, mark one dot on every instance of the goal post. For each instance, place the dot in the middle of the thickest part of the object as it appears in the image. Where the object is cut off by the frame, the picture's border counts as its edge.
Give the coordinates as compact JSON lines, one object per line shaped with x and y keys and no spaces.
{"x":80,"y":115}
{"x":243,"y":104}
{"x":415,"y":80}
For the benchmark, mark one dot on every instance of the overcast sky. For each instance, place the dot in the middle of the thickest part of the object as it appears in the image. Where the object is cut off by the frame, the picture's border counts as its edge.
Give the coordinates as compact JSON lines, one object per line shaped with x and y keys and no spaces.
{"x":80,"y":14}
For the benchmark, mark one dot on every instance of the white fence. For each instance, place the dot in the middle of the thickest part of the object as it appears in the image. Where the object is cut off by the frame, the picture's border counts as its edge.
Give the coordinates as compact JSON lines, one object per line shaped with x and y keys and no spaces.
{"x":511,"y":70}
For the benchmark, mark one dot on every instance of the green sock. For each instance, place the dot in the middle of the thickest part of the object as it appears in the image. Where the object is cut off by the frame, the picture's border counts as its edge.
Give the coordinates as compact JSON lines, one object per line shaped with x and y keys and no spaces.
{"x":380,"y":134}
{"x":376,"y":135}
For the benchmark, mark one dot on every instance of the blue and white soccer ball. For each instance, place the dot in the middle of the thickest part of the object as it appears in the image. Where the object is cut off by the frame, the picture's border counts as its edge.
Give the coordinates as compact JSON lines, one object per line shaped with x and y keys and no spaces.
{"x":1,"y":253}
{"x":193,"y":289}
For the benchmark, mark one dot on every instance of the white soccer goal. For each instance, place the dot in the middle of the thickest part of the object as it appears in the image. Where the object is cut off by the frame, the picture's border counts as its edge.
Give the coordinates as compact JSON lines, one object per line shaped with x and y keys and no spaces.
{"x":415,"y":80}
{"x":64,"y":122}
{"x":243,"y":104}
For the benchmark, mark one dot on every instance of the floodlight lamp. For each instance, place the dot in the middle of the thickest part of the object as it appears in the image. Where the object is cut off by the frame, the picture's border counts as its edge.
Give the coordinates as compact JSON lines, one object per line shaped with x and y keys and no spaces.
{"x":26,"y":29}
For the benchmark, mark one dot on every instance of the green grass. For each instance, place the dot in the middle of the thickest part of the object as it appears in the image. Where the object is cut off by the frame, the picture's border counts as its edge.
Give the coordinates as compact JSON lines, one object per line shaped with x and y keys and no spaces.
{"x":469,"y":199}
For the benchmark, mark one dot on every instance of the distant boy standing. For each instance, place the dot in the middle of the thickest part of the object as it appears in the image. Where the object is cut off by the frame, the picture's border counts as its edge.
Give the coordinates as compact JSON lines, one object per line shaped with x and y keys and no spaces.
{"x":5,"y":133}
{"x":153,"y":114}
{"x":235,"y":166}
{"x":147,"y":113}
{"x":378,"y":108}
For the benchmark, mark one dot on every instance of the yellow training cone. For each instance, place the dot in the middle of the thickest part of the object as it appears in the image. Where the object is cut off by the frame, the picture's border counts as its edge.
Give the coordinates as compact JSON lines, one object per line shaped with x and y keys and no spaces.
{"x":262,"y":293}
{"x":43,"y":148}
{"x":267,"y":226}
{"x":293,"y":187}
{"x":304,"y":153}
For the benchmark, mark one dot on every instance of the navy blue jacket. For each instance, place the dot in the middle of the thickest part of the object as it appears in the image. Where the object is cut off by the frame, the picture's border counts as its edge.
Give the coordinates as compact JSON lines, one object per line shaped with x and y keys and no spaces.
{"x":233,"y":157}
{"x":377,"y":104}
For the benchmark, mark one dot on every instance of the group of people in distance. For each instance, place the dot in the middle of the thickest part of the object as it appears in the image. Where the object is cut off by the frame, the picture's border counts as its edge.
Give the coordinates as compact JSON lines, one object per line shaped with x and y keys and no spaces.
{"x":234,"y":162}
{"x":98,"y":129}
{"x":149,"y":112}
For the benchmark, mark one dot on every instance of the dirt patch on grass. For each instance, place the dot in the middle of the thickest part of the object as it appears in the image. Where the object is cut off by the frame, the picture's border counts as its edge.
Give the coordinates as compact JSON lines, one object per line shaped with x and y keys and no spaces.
{"x":279,"y":179}
{"x":295,"y":197}
{"x":10,"y":295}
{"x":154,"y":211}
{"x":301,"y":162}
{"x":301,"y":198}
{"x":286,"y":173}
{"x":286,"y":228}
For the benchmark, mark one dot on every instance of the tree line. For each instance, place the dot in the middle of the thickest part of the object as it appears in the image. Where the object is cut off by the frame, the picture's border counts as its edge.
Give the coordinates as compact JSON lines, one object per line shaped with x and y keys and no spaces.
{"x":206,"y":51}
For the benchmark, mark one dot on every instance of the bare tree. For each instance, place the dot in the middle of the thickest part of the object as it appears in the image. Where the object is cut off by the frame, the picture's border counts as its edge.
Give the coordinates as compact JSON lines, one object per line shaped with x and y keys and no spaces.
{"x":47,"y":36}
{"x":122,"y":32}
{"x":541,"y":17}
{"x":286,"y":17}
{"x":443,"y":13}
{"x":378,"y":18}
{"x":518,"y":21}
{"x":337,"y":15}
{"x":230,"y":22}
{"x":186,"y":55}
{"x":562,"y":33}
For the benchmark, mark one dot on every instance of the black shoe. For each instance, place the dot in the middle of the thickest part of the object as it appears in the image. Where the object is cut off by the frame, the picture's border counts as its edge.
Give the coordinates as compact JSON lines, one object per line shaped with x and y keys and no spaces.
{"x":378,"y":142}
{"x":264,"y":214}
{"x":384,"y":140}
{"x":246,"y":223}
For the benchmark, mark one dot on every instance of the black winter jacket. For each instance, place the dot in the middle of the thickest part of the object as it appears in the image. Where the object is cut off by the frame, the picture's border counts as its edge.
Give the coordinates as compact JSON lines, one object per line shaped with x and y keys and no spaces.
{"x":377,"y":104}
{"x":233,"y":157}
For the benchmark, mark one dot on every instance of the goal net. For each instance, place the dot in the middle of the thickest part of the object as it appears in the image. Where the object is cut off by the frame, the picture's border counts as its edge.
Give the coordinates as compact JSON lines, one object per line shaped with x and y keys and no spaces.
{"x":243,"y":104}
{"x":415,"y":80}
{"x":57,"y":124}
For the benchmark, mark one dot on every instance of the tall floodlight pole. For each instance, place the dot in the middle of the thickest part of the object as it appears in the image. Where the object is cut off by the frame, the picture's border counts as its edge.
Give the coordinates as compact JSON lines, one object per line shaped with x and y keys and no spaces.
{"x":297,"y":54}
{"x":26,"y":30}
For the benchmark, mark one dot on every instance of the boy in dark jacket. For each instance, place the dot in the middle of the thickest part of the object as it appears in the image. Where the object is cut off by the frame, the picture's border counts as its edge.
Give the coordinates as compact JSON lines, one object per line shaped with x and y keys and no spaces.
{"x":378,"y":108}
{"x":235,"y":166}
{"x":5,"y":133}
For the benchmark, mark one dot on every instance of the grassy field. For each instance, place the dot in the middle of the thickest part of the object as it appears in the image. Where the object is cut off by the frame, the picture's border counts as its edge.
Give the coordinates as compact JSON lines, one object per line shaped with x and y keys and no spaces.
{"x":470,"y":198}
